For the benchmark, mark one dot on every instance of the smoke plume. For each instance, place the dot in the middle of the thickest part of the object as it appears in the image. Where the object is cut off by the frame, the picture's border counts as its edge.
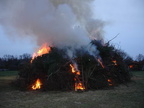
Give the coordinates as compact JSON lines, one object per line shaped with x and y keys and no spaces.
{"x":60,"y":23}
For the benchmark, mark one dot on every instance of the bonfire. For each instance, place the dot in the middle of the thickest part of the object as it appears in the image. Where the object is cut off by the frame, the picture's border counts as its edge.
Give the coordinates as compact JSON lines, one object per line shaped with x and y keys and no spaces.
{"x":51,"y":69}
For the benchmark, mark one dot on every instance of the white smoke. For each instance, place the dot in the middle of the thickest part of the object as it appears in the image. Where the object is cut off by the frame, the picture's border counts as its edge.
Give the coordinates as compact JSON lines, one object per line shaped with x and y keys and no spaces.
{"x":60,"y":23}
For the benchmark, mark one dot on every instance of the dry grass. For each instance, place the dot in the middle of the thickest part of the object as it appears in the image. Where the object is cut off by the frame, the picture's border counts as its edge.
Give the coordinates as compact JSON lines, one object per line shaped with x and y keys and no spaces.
{"x":120,"y":97}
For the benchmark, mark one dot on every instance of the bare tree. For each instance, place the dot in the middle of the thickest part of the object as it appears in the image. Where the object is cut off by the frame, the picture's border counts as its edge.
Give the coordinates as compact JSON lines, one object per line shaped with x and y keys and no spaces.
{"x":140,"y":57}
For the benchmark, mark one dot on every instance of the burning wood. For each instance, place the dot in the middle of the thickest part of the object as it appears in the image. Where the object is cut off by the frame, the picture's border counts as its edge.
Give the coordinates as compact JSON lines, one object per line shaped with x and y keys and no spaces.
{"x":78,"y":83}
{"x":83,"y":73}
{"x":130,"y":66}
{"x":43,"y":50}
{"x":79,"y":86}
{"x":101,"y":63}
{"x":110,"y":82}
{"x":37,"y":85}
{"x":74,"y":69}
{"x":115,"y":62}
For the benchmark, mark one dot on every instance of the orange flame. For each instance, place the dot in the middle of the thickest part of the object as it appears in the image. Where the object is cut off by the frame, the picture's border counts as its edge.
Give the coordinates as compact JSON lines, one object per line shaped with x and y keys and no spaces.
{"x":115,"y":62}
{"x":74,"y":69}
{"x":37,"y":84}
{"x":79,"y":86}
{"x":43,"y":50}
{"x":78,"y":83}
{"x":78,"y":73}
{"x":110,"y":82}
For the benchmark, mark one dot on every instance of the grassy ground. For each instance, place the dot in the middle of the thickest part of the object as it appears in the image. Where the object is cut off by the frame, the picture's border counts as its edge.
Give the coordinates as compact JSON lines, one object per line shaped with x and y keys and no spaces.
{"x":8,"y":73}
{"x":120,"y":97}
{"x":5,"y":79}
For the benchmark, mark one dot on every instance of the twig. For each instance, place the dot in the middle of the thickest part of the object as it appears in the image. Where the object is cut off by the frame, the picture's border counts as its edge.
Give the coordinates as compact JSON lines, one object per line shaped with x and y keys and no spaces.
{"x":53,"y":73}
{"x":92,"y":71}
{"x":113,"y":38}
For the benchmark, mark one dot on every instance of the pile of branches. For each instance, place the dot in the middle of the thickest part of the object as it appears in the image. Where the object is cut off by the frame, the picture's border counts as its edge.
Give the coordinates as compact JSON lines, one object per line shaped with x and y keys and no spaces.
{"x":53,"y":69}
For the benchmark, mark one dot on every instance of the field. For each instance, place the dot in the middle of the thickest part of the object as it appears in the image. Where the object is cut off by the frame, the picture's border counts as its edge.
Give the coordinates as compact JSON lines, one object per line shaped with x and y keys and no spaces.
{"x":130,"y":96}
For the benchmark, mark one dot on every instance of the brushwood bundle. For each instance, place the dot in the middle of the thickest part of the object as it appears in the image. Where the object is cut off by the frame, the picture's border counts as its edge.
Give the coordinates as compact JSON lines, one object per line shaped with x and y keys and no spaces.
{"x":55,"y":71}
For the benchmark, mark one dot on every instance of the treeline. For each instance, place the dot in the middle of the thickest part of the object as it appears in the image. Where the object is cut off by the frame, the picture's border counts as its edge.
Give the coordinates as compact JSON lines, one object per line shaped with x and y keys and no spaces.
{"x":137,"y":64}
{"x":10,"y":62}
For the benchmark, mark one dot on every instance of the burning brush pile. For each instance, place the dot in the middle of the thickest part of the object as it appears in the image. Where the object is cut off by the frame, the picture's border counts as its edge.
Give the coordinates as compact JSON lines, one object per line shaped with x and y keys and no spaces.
{"x":51,"y":69}
{"x":75,"y":57}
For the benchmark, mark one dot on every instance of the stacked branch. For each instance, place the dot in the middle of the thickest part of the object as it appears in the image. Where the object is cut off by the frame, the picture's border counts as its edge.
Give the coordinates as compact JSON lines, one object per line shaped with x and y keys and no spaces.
{"x":55,"y":73}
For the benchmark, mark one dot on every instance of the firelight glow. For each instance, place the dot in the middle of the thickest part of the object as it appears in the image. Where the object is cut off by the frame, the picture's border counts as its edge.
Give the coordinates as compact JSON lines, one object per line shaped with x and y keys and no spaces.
{"x":115,"y":62}
{"x":43,"y":50}
{"x":37,"y":84}
{"x":78,"y":84}
{"x":72,"y":68}
{"x":110,"y":82}
{"x":101,"y":63}
{"x":131,"y":66}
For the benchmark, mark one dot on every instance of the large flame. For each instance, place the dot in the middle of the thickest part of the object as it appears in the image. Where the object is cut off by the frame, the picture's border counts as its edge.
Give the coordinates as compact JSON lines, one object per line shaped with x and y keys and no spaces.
{"x":37,"y":84}
{"x":78,"y":84}
{"x":43,"y":50}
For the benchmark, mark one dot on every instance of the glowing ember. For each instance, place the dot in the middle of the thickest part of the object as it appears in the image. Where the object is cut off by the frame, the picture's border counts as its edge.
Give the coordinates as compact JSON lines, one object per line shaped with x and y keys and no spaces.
{"x":115,"y":62}
{"x":110,"y":82}
{"x":78,"y":73}
{"x":43,"y":50}
{"x":37,"y":85}
{"x":131,"y":66}
{"x":101,"y":63}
